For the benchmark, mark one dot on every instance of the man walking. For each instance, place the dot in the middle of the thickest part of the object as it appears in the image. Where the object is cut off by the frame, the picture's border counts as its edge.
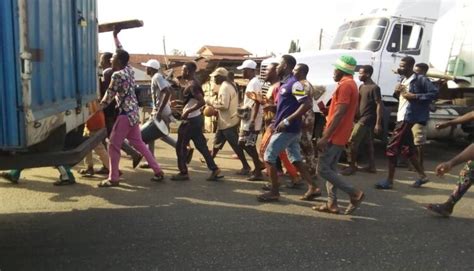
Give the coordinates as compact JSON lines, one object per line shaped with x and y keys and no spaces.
{"x":251,"y":125}
{"x":336,"y":134}
{"x":228,"y":122}
{"x":369,"y":121}
{"x":415,"y":95}
{"x":292,"y":104}
{"x":192,"y":125}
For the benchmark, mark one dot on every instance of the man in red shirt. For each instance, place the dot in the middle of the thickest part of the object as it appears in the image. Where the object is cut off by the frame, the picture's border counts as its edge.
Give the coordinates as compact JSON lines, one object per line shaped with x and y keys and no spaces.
{"x":336,"y":134}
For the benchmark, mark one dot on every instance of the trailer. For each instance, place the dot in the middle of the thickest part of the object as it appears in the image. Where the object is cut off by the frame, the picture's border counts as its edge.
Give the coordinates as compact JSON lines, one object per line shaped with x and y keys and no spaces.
{"x":48,"y":77}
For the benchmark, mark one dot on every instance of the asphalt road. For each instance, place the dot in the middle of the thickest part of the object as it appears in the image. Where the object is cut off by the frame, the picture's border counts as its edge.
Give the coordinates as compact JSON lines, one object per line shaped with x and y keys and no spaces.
{"x":200,"y":225}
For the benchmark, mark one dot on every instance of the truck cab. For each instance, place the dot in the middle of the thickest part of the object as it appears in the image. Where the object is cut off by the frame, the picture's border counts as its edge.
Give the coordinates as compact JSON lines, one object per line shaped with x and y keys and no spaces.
{"x":380,"y":38}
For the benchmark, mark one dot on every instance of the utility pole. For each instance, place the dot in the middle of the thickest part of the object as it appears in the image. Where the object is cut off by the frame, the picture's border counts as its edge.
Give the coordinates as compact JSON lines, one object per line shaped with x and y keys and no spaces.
{"x":320,"y":38}
{"x":164,"y":52}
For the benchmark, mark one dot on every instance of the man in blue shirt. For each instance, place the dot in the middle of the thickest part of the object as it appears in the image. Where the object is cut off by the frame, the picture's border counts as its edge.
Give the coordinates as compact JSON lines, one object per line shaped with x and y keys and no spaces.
{"x":416,"y":92}
{"x":292,"y":105}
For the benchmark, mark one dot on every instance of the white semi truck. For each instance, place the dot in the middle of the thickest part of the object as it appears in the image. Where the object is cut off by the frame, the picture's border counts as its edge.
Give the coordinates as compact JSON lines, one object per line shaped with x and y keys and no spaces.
{"x":409,"y":28}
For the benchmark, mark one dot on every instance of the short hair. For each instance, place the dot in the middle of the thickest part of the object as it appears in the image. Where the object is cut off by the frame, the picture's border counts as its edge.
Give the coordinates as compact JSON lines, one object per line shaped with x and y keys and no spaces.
{"x":304,"y":69}
{"x":409,"y":60}
{"x":289,"y":60}
{"x":423,"y":67}
{"x":122,"y":56}
{"x":107,"y":56}
{"x":368,"y":69}
{"x":191,"y":66}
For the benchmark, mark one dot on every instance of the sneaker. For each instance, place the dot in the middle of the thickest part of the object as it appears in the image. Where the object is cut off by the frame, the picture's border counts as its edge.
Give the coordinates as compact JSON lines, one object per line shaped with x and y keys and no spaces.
{"x":7,"y":176}
{"x":189,"y":157}
{"x":180,"y":177}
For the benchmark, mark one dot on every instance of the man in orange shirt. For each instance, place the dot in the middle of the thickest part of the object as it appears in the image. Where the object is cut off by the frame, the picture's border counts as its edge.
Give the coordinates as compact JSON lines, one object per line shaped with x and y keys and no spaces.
{"x":336,"y":134}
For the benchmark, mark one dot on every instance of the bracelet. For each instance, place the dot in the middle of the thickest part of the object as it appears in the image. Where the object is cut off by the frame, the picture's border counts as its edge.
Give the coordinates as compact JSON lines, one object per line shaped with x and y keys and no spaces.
{"x":286,"y":122}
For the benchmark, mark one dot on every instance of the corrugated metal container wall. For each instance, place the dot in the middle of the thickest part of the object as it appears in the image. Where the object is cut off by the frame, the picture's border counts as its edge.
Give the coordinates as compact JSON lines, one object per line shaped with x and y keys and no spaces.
{"x":63,"y":47}
{"x":87,"y":50}
{"x":10,"y":134}
{"x":62,"y":39}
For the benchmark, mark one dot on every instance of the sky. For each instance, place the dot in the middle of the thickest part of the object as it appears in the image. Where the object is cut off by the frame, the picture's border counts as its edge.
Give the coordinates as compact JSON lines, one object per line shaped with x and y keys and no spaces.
{"x":259,"y":26}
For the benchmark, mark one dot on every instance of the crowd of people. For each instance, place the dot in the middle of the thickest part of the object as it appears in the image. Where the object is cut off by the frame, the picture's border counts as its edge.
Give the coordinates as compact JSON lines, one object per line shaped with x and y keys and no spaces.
{"x":286,"y":116}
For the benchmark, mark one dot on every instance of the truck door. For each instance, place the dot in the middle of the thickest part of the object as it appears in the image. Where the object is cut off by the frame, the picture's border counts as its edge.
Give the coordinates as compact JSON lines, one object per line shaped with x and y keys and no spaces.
{"x":86,"y":50}
{"x":405,"y":39}
{"x":10,"y":134}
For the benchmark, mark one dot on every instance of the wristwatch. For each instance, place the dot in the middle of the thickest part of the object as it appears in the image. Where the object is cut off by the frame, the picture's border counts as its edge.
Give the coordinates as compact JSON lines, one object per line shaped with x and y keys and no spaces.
{"x":286,"y":122}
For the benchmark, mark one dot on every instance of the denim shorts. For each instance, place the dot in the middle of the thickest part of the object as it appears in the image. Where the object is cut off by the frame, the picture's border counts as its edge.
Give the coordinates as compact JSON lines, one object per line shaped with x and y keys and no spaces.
{"x":280,"y":142}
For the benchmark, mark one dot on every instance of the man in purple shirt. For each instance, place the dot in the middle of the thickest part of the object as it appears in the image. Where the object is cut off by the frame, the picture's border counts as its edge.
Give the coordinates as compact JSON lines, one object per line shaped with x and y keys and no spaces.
{"x":292,"y":104}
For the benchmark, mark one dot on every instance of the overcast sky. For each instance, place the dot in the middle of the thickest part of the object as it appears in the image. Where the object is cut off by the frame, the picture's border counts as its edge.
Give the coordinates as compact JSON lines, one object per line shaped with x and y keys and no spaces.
{"x":260,"y":26}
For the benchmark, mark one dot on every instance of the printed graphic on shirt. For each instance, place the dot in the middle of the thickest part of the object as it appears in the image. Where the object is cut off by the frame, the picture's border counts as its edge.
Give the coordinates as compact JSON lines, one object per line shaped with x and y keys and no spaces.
{"x":298,"y":90}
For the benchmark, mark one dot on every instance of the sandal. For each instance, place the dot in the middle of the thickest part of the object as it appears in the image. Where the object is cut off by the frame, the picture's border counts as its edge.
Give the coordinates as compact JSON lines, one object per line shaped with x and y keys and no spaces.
{"x":294,"y":185}
{"x":243,"y":172}
{"x":9,"y":177}
{"x":255,"y":178}
{"x":384,"y":185}
{"x":158,"y":177}
{"x":368,"y":169}
{"x":108,"y":183}
{"x":440,"y":209}
{"x":325,"y":209}
{"x":87,"y":172}
{"x":215,"y":175}
{"x":348,"y":171}
{"x":418,"y":183}
{"x":355,"y":203}
{"x":311,"y":196}
{"x":180,"y":177}
{"x":268,"y":197}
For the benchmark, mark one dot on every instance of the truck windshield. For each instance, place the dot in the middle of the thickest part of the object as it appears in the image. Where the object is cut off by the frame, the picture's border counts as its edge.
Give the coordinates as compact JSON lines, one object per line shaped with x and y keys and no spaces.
{"x":364,"y":34}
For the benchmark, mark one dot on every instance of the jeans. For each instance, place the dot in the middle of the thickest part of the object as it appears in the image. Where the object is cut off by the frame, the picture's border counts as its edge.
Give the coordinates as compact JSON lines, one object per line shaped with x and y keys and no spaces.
{"x":327,"y":169}
{"x":281,"y":141}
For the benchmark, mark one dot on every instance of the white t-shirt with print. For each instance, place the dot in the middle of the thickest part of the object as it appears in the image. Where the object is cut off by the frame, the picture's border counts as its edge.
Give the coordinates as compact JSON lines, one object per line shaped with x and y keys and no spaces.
{"x":158,"y":83}
{"x":254,"y":85}
{"x":402,"y":102}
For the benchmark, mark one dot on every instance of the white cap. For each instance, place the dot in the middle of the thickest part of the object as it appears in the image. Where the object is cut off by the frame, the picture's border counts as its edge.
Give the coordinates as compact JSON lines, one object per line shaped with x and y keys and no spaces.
{"x":152,"y":63}
{"x":248,"y":64}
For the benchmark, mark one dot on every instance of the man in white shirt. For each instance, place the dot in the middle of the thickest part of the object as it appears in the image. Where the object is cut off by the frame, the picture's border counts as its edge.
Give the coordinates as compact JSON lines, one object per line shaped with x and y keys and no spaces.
{"x":252,"y":123}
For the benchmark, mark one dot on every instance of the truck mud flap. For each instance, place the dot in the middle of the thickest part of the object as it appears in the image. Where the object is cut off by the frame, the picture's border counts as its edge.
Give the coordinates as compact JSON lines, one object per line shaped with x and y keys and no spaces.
{"x":54,"y":158}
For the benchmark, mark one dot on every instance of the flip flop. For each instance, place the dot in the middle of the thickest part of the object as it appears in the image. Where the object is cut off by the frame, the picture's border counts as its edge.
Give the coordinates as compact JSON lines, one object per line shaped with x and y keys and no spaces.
{"x":354,"y":204}
{"x":325,"y":209}
{"x":268,"y":197}
{"x":418,"y":183}
{"x":311,"y":196}
{"x":384,"y":185}
{"x":108,"y":183}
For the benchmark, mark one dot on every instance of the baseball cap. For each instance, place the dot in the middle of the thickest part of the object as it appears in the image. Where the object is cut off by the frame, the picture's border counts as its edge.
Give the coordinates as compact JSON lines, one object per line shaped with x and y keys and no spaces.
{"x":220,"y":71}
{"x":248,"y":64}
{"x":152,"y":63}
{"x":346,"y":64}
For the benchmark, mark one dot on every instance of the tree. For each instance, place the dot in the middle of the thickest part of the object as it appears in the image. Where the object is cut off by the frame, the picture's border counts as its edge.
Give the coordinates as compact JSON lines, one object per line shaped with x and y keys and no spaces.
{"x":294,"y":46}
{"x":176,"y":52}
